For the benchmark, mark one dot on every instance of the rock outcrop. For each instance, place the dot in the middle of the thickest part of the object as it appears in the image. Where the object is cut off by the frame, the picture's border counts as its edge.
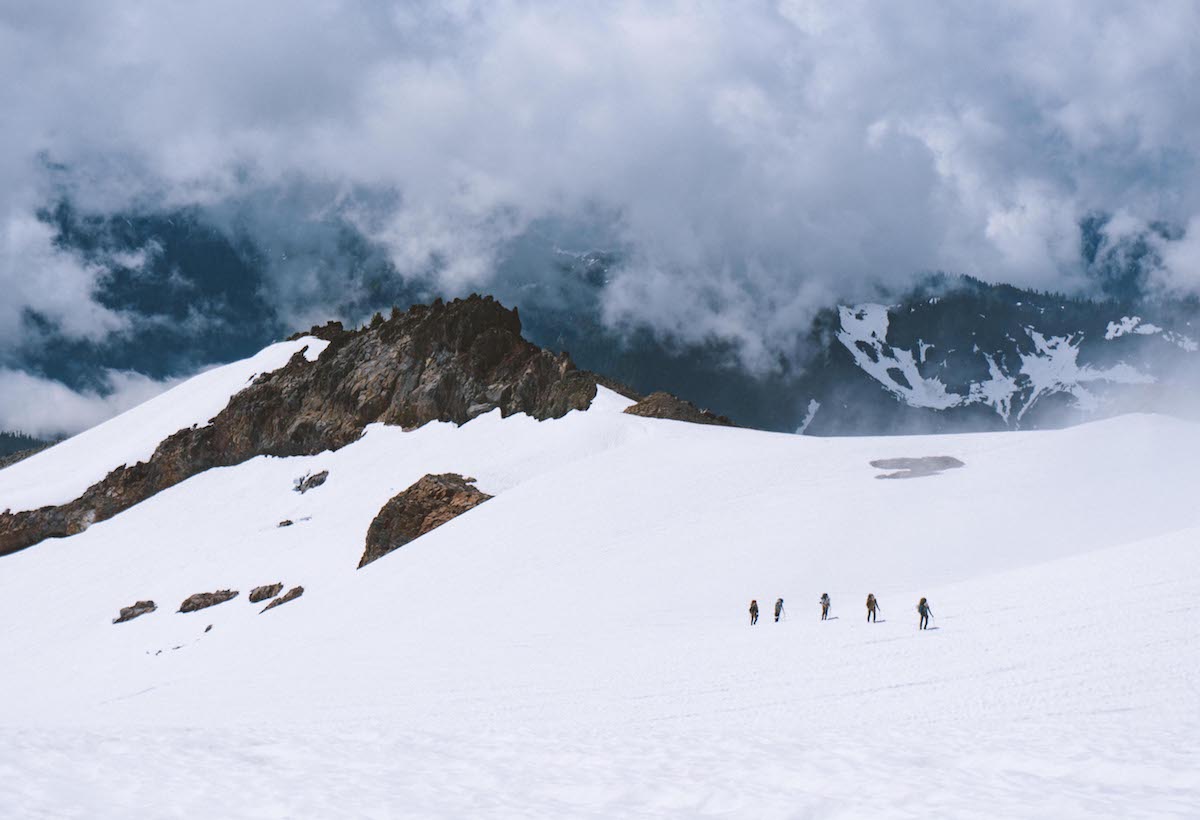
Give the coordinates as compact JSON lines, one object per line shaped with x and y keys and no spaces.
{"x":307,"y":482}
{"x":203,"y":600}
{"x":291,"y":595}
{"x":441,"y":362}
{"x":660,"y":405}
{"x":426,"y":505}
{"x":128,"y":613}
{"x":264,"y":593}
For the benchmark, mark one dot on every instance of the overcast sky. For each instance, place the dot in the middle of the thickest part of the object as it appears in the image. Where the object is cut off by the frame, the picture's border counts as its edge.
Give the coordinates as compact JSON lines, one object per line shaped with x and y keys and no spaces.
{"x":754,"y":160}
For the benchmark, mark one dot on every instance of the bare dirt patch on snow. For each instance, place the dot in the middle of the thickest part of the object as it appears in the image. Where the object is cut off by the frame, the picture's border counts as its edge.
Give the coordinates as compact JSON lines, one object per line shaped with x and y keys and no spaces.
{"x":916,"y":467}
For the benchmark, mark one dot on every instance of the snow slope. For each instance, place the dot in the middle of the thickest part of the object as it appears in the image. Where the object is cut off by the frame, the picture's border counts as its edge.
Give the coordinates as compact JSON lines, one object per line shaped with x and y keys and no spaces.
{"x":578,"y":646}
{"x":64,"y":471}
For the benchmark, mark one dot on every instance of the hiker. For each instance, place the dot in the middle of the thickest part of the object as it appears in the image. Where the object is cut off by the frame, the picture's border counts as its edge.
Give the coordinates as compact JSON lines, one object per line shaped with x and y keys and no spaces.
{"x":778,"y":609}
{"x":824,"y":605}
{"x":872,"y":607}
{"x":923,"y":608}
{"x":753,"y":613}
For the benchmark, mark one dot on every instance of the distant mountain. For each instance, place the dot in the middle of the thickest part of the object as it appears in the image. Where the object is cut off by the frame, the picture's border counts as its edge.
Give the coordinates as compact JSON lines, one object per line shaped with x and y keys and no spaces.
{"x":16,"y":446}
{"x":949,"y":354}
{"x":952,"y":354}
{"x":959,"y":354}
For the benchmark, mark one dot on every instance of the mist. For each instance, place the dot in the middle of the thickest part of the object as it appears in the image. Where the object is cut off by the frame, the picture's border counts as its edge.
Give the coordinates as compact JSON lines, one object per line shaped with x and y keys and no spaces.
{"x":751,"y":165}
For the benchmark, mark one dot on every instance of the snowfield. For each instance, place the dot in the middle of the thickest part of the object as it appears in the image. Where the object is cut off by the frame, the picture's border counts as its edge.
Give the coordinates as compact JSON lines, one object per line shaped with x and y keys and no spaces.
{"x":579,"y":645}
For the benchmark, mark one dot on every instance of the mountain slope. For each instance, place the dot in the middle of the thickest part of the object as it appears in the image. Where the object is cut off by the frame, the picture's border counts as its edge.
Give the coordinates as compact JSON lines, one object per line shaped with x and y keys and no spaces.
{"x":577,"y":645}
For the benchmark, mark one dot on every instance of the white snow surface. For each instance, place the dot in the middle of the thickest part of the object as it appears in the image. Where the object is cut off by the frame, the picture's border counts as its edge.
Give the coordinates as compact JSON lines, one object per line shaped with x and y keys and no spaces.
{"x":61,"y":473}
{"x":578,"y":646}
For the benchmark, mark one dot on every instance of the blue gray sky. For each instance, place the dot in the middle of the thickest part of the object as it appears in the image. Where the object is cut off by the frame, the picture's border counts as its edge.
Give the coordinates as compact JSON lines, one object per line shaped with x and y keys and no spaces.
{"x":746,"y":163}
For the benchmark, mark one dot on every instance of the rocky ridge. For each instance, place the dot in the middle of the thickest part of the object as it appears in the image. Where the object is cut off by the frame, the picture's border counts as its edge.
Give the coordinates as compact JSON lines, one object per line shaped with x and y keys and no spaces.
{"x":660,"y":405}
{"x":441,"y":362}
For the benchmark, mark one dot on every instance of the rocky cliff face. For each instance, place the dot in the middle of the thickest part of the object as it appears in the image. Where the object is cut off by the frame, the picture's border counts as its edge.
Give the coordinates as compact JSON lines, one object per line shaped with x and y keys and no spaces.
{"x":442,"y":362}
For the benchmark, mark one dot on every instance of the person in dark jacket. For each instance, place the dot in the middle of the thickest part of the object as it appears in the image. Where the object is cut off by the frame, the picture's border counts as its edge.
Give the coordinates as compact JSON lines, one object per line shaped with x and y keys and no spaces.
{"x":872,"y":607}
{"x":753,"y":613}
{"x":925,"y":612}
{"x":778,"y":609}
{"x":824,"y":605}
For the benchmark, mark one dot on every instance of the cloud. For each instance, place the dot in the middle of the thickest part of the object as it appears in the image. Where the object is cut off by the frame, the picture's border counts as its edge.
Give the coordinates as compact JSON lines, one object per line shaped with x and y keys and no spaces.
{"x":757,"y":160}
{"x":46,"y":408}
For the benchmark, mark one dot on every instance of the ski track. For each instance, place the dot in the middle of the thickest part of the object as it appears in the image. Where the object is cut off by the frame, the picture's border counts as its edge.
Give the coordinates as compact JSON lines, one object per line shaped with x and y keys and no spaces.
{"x":579,"y":647}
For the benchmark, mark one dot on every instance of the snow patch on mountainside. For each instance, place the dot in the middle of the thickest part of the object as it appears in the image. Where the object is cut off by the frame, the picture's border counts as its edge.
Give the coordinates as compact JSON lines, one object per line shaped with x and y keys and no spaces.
{"x":1134,"y":324}
{"x":864,"y":333}
{"x":61,"y":473}
{"x":1052,"y":367}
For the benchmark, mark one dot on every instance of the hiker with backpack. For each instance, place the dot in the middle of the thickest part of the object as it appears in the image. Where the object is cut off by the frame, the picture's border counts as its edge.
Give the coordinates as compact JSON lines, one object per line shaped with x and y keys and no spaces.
{"x":925,"y":611}
{"x":824,"y":605}
{"x":872,"y":607}
{"x":778,"y":609}
{"x":753,"y":612}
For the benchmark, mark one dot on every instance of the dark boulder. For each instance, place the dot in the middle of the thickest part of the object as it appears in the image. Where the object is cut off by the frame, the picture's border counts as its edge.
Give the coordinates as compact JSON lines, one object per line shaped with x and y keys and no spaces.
{"x":291,"y":595}
{"x":426,"y":505}
{"x":128,"y":613}
{"x":203,"y":600}
{"x":287,"y":522}
{"x":265,"y":592}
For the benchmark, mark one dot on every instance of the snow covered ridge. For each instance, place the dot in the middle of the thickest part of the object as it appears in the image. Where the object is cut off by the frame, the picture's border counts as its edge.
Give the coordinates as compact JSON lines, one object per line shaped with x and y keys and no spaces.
{"x":61,"y":473}
{"x":1028,"y":371}
{"x":441,"y":362}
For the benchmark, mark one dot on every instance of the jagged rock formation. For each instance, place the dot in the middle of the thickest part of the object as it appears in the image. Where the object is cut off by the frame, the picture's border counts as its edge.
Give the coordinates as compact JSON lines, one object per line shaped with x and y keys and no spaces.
{"x":264,"y":593}
{"x":292,"y":594}
{"x":445,"y":362}
{"x":660,"y":405}
{"x":128,"y":613}
{"x":307,"y":482}
{"x":426,"y":505}
{"x":203,"y":600}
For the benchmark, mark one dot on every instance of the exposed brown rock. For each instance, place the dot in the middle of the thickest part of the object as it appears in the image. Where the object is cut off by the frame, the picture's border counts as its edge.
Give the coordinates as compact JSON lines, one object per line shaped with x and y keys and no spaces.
{"x":203,"y":600}
{"x":660,"y":405}
{"x":307,"y":482}
{"x":291,"y":595}
{"x":428,"y":504}
{"x":445,"y":361}
{"x":264,"y":592}
{"x":287,"y":522}
{"x":128,"y":613}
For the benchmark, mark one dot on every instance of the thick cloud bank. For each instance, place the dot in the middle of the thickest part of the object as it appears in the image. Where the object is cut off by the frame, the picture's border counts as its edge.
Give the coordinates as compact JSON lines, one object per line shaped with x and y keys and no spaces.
{"x":752,"y":161}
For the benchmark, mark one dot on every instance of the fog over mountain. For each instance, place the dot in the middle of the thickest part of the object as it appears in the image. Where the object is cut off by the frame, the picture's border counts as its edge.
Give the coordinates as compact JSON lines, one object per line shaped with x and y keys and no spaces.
{"x":681,"y":193}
